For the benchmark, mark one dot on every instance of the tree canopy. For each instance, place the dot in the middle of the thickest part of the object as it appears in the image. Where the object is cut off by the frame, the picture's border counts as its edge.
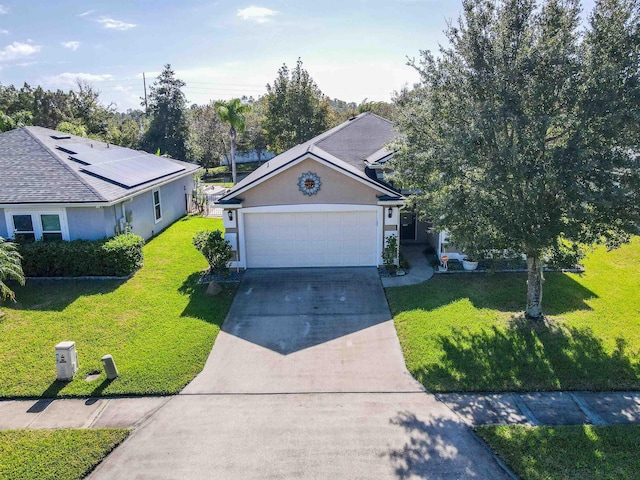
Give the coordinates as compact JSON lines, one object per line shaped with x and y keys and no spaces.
{"x":168,"y":128}
{"x":233,"y":114}
{"x":522,"y":135}
{"x":295,"y":109}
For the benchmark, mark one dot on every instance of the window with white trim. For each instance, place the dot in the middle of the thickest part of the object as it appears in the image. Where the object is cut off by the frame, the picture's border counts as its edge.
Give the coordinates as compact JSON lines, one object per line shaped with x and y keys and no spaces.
{"x":23,"y":228}
{"x":46,"y":225}
{"x":157,"y":208}
{"x":51,"y":227}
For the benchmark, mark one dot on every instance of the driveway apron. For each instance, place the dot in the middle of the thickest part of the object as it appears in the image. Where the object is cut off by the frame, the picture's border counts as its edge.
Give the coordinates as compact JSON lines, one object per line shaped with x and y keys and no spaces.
{"x":307,"y":330}
{"x":306,"y":380}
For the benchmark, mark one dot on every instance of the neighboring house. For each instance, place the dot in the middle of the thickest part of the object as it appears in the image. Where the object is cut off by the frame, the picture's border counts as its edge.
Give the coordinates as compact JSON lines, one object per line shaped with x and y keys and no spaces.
{"x":321,"y":203}
{"x":59,"y":186}
{"x":250,"y":157}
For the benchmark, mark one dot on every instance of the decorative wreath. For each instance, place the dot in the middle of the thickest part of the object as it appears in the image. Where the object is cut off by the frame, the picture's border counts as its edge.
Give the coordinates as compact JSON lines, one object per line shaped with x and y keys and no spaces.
{"x":309,"y":183}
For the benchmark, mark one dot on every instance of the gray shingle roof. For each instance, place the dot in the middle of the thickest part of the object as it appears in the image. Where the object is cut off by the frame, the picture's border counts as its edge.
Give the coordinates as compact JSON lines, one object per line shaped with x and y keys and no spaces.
{"x":347,"y":146}
{"x":35,"y":171}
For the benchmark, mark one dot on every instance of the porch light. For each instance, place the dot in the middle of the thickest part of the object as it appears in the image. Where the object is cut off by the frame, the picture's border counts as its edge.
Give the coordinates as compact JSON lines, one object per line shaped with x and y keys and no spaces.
{"x":390,"y":212}
{"x":230,"y":214}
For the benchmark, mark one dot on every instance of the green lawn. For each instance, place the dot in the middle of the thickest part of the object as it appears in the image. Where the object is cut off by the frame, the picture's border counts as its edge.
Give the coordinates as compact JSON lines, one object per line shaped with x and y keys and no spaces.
{"x":465,"y":333}
{"x":54,"y":454}
{"x":568,"y":453}
{"x":159,"y":326}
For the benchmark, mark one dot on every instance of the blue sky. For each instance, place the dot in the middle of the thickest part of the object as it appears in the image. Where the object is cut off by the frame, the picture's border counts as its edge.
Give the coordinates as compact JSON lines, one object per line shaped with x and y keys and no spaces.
{"x":353,"y":49}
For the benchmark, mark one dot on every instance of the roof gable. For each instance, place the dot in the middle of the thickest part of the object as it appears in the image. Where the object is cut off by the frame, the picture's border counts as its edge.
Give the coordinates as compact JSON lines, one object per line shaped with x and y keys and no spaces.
{"x":345,"y":146}
{"x":326,"y":159}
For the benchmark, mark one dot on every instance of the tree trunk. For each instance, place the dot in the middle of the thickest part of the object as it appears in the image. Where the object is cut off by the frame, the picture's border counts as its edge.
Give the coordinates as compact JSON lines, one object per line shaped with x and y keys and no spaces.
{"x":534,"y":288}
{"x":232,"y":136}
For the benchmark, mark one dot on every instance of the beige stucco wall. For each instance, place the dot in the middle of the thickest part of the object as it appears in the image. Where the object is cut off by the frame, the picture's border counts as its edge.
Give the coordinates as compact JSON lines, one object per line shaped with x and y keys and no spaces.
{"x":282,"y":189}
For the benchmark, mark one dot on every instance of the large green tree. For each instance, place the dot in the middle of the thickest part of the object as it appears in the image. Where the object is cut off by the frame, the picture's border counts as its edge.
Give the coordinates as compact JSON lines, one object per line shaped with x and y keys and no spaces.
{"x":168,"y":128}
{"x":523,"y":137}
{"x":296,"y":110}
{"x":207,"y":135}
{"x":233,"y":114}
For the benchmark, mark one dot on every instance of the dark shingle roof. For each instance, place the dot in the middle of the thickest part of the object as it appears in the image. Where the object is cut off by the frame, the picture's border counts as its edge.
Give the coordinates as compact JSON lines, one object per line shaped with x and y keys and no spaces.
{"x":35,"y":171}
{"x":358,"y":139}
{"x":347,"y":146}
{"x":32,"y":174}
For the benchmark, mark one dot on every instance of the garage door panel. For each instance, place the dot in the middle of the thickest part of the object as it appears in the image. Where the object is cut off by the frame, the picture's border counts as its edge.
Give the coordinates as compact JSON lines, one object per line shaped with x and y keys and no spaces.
{"x":311,"y":239}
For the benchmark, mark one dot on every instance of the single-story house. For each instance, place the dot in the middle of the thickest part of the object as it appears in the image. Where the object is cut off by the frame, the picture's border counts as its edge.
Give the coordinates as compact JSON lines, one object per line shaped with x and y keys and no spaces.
{"x":59,"y":186}
{"x":322,"y":203}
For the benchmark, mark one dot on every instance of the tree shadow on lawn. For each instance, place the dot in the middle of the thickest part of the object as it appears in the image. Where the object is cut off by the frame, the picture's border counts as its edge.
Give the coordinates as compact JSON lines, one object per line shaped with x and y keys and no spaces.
{"x":56,"y":295}
{"x":211,"y":309}
{"x":504,"y":292}
{"x":524,"y":356}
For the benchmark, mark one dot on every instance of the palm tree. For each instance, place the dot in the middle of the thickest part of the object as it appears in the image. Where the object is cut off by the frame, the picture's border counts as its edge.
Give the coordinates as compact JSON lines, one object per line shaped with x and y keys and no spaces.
{"x":10,"y":268}
{"x":232,"y":113}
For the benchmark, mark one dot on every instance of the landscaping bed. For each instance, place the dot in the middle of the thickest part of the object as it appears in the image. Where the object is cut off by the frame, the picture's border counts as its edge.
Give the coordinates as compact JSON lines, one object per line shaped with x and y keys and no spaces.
{"x":568,"y":452}
{"x":466,"y":332}
{"x":159,"y":325}
{"x":55,"y":454}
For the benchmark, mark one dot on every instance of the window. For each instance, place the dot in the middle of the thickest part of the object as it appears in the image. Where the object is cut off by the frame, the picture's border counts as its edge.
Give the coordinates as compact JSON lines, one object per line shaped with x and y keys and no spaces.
{"x":23,"y":228}
{"x":51,"y":229}
{"x":157,"y":208}
{"x":46,"y":225}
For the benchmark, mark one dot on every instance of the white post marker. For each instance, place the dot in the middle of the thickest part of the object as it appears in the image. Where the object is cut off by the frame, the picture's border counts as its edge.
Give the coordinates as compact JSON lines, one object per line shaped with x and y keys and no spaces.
{"x":66,"y":361}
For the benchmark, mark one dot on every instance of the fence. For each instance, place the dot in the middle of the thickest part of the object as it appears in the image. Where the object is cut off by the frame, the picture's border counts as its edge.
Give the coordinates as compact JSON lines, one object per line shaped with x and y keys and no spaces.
{"x":204,"y":204}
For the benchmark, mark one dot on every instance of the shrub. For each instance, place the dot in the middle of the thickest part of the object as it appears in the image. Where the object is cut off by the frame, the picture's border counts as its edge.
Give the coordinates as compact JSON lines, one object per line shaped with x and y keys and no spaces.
{"x":390,"y":253}
{"x":215,"y":249}
{"x":118,"y":256}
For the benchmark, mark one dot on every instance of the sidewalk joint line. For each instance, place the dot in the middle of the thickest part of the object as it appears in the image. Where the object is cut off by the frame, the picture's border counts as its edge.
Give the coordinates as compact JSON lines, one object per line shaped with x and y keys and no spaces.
{"x":593,"y":417}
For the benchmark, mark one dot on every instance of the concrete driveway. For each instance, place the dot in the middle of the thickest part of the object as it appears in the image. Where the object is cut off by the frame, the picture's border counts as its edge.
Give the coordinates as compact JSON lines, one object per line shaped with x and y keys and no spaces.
{"x":307,"y":330}
{"x":306,"y":380}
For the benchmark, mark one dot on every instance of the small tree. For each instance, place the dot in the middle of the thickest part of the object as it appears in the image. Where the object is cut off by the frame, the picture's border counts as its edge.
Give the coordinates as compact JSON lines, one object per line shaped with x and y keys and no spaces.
{"x":215,"y":249}
{"x":390,"y":253}
{"x":10,"y":268}
{"x":232,"y":113}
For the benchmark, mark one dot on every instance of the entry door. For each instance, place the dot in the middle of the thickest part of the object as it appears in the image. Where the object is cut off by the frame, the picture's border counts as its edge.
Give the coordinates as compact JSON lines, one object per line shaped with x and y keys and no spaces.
{"x":407,"y":226}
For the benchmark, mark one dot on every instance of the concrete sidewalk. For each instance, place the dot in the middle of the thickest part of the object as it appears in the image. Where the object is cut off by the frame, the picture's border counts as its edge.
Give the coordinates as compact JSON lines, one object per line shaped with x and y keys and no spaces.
{"x":78,"y":413}
{"x":534,"y":408}
{"x":420,"y":270}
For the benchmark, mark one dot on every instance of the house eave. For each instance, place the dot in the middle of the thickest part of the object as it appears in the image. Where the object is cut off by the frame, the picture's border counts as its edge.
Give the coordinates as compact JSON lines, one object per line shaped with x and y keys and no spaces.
{"x":365,"y":180}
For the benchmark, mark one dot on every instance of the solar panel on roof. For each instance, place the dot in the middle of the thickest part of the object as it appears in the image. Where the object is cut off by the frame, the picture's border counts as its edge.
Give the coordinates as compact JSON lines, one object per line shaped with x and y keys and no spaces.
{"x":74,"y":148}
{"x":60,"y":137}
{"x":96,"y":157}
{"x":132,"y":172}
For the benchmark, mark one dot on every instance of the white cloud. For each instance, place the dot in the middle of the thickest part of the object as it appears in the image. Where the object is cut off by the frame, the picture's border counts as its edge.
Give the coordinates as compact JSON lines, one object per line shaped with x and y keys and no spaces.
{"x":4,"y":32}
{"x":17,"y":51}
{"x":72,"y":45}
{"x":84,"y":14}
{"x":115,"y":24}
{"x":256,"y":14}
{"x":69,"y":78}
{"x":3,"y":9}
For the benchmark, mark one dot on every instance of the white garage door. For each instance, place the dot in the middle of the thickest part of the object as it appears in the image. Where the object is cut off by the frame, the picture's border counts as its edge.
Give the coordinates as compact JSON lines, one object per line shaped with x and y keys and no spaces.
{"x":311,"y":239}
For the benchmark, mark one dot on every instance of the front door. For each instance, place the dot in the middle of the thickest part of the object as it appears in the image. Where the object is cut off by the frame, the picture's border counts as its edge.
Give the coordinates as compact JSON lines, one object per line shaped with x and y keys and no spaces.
{"x":407,"y":226}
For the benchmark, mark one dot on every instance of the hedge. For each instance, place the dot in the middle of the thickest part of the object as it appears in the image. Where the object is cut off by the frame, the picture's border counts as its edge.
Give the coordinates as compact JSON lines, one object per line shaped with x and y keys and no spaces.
{"x":118,"y":256}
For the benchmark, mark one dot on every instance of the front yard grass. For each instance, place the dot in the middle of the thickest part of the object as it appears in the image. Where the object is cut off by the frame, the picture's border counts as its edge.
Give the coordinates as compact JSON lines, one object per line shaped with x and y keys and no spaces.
{"x":158,"y":325}
{"x":567,"y":453}
{"x":54,"y":454}
{"x":465,"y":332}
